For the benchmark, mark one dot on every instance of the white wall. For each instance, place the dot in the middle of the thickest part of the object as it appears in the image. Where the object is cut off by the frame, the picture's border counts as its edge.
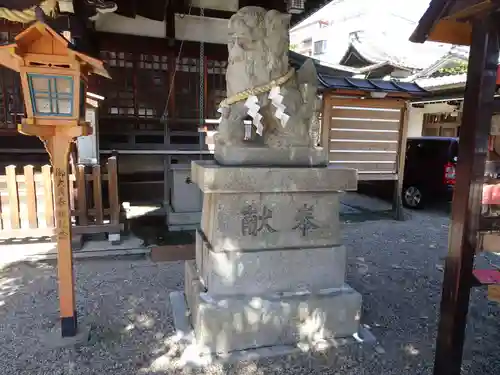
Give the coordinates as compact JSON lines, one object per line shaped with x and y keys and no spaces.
{"x":197,"y":29}
{"x":416,"y":116}
{"x":193,"y":28}
{"x":394,"y":17}
{"x":229,"y":5}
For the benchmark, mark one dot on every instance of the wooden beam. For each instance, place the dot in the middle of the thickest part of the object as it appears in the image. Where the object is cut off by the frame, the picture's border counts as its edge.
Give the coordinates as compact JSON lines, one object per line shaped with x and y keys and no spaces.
{"x":170,"y":20}
{"x":451,"y":31}
{"x":463,"y":9}
{"x":213,"y":13}
{"x":432,"y":15}
{"x":267,"y":4}
{"x":474,"y":131}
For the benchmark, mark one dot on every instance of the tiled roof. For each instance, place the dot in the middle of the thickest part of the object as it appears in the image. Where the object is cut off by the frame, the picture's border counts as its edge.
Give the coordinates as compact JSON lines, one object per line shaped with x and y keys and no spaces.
{"x":442,"y":82}
{"x":297,"y":59}
{"x":398,"y":51}
{"x":329,"y":82}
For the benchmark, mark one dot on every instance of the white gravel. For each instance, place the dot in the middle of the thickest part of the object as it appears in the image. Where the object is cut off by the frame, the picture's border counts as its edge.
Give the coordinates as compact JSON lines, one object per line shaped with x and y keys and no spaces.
{"x":395,"y":265}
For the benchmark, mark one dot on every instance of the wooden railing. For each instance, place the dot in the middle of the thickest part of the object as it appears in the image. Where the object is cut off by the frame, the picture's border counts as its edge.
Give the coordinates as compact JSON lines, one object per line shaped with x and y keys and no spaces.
{"x":27,"y":201}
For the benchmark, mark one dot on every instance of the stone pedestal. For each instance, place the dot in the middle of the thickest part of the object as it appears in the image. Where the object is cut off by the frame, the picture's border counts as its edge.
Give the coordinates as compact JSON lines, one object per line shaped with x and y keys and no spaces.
{"x":270,"y":267}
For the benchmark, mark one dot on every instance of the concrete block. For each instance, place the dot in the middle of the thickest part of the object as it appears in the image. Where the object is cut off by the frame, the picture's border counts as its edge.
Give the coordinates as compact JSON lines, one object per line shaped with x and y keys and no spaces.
{"x":186,"y":197}
{"x":256,"y":221}
{"x":244,"y":322}
{"x":214,"y":178}
{"x":263,"y":272}
{"x":265,"y":156}
{"x":199,"y":249}
{"x":77,"y":242}
{"x":53,"y":339}
{"x":173,"y":253}
{"x":114,"y":238}
{"x":183,"y":228}
{"x":183,"y":218}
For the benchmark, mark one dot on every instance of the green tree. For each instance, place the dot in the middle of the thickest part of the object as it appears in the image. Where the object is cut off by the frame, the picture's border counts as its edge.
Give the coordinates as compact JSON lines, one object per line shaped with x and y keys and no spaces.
{"x":457,"y":68}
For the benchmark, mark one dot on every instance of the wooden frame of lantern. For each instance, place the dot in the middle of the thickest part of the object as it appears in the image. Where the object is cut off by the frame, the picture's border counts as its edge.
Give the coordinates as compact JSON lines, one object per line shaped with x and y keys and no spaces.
{"x":54,"y":82}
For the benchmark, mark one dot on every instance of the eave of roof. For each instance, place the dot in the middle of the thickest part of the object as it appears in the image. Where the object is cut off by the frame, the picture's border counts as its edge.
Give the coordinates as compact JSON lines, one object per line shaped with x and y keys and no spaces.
{"x":336,"y":67}
{"x":371,"y":85}
{"x":443,"y":82}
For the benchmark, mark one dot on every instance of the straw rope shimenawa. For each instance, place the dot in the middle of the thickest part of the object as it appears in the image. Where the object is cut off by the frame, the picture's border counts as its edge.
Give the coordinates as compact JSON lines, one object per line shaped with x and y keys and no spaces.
{"x":28,"y":15}
{"x":257,"y":90}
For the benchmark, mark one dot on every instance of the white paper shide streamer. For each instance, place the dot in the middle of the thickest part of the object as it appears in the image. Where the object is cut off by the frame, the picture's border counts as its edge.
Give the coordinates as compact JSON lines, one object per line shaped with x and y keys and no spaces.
{"x":277,"y":102}
{"x":253,"y":111}
{"x":252,"y":103}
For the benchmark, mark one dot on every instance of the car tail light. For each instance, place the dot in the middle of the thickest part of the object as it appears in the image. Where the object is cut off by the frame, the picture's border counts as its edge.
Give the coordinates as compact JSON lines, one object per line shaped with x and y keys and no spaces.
{"x":449,"y":174}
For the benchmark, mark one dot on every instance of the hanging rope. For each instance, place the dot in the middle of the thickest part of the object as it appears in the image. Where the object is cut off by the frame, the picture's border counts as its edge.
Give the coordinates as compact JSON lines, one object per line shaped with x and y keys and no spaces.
{"x":202,"y":77}
{"x":201,"y":138}
{"x":28,"y":15}
{"x":164,"y":116}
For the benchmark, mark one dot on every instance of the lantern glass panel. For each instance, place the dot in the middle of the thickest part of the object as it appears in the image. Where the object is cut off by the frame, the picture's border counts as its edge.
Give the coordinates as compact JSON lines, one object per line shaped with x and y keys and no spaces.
{"x":64,"y":85}
{"x":51,"y":95}
{"x":43,"y":104}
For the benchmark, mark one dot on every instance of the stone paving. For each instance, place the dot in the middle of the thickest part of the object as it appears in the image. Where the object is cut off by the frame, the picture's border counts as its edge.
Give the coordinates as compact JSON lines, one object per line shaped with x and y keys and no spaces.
{"x":396,"y":266}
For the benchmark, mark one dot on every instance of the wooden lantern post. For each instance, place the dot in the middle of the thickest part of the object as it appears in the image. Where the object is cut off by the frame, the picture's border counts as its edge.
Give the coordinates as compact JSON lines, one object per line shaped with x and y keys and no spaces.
{"x":54,"y":81}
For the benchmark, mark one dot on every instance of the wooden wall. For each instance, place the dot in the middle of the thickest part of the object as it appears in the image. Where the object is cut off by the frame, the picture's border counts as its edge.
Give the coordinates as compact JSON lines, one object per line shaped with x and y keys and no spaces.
{"x":11,"y":100}
{"x":156,"y":82}
{"x":364,"y":134}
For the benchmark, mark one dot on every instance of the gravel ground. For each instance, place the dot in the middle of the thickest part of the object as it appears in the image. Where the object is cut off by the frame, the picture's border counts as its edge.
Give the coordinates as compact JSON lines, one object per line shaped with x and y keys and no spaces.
{"x":397,"y":267}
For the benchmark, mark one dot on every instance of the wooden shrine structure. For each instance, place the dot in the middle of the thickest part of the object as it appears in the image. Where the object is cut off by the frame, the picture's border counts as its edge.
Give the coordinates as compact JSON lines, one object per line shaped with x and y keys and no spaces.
{"x":164,"y":92}
{"x":364,"y":126}
{"x":475,"y":217}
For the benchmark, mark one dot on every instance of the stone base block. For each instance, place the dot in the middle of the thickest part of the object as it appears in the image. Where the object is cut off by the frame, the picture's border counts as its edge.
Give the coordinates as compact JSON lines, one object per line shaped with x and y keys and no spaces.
{"x":183,"y":220}
{"x":193,"y":357}
{"x":225,"y":324}
{"x":270,"y":271}
{"x":265,"y":156}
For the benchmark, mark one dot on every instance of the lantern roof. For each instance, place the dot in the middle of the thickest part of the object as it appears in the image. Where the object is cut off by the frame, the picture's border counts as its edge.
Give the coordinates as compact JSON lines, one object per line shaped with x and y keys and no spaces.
{"x":41,"y":39}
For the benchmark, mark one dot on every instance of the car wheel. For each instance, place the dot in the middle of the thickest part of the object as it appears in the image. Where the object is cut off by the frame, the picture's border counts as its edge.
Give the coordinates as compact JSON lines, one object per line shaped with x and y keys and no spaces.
{"x":413,"y":197}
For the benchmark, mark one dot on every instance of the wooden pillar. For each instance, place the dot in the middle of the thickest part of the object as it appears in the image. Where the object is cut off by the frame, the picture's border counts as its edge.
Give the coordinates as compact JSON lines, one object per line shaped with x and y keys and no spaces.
{"x":473,"y":146}
{"x":59,"y":147}
{"x":397,"y":204}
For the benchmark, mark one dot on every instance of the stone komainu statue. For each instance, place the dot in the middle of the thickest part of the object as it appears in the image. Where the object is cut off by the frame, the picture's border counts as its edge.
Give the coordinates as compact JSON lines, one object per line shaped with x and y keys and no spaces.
{"x":258,"y":54}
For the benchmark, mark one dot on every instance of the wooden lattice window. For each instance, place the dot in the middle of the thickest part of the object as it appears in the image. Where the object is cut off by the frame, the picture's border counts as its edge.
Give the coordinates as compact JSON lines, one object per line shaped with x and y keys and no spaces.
{"x":216,"y":89}
{"x":11,"y":100}
{"x":152,"y":85}
{"x":119,"y":92}
{"x":139,"y":87}
{"x":187,"y":89}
